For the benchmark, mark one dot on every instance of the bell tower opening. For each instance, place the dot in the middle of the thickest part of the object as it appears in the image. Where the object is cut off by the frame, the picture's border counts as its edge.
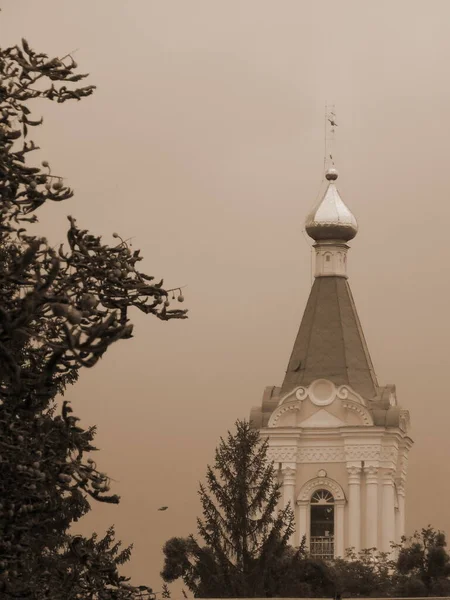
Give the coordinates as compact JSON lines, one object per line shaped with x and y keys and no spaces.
{"x":322,"y":525}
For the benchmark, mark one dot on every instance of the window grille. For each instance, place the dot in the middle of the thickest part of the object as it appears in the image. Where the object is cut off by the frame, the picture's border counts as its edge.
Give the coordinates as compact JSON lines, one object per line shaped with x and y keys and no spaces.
{"x":322,"y":525}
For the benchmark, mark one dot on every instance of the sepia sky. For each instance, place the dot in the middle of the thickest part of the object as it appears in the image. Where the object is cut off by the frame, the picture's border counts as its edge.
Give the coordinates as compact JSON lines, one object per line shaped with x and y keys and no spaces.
{"x":204,"y":142}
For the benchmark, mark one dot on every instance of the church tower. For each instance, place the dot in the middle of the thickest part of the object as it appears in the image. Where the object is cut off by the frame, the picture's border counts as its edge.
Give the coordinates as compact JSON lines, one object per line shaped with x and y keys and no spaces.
{"x":339,"y":439}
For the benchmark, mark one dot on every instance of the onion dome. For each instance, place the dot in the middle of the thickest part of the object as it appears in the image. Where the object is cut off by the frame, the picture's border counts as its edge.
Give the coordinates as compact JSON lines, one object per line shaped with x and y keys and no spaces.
{"x":331,"y":219}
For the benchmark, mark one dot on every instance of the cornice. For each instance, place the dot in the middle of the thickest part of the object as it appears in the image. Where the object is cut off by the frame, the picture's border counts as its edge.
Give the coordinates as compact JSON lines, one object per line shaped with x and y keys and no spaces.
{"x":383,"y":455}
{"x":376,"y":431}
{"x":353,"y":432}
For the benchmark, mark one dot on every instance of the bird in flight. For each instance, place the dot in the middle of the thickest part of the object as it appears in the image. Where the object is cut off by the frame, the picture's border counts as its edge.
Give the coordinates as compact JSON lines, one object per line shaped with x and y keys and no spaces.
{"x":163,"y":508}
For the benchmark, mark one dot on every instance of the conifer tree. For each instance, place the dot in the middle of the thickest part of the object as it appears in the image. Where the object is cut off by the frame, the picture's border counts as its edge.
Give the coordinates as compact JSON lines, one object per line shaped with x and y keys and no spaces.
{"x":241,"y":530}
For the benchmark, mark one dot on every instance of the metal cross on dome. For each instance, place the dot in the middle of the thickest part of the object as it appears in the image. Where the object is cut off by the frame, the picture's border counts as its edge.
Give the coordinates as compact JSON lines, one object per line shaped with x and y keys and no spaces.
{"x":330,"y":129}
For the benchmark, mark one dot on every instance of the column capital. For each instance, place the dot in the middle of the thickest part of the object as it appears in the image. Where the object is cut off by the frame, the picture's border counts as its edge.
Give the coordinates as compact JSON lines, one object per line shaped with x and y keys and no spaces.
{"x":388,"y":476}
{"x":289,"y":474}
{"x":354,"y":474}
{"x":303,"y":502}
{"x":371,"y":473}
{"x":400,"y":485}
{"x":286,"y":466}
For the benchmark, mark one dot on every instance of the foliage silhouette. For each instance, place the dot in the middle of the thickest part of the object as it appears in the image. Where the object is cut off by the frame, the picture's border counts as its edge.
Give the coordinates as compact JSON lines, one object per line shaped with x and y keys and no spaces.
{"x":423,"y":564}
{"x":60,"y":310}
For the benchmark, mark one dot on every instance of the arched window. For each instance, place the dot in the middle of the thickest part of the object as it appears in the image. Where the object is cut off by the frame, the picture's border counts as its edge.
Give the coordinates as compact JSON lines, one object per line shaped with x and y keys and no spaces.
{"x":322,"y":525}
{"x":328,"y":257}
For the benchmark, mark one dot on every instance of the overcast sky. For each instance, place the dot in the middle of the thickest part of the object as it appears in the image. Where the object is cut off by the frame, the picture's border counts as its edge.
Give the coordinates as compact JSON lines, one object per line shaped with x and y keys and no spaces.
{"x":204,"y":142}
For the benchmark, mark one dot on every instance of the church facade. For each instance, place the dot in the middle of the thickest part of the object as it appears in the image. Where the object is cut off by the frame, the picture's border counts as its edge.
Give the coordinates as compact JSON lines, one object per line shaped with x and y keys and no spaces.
{"x":338,"y":439}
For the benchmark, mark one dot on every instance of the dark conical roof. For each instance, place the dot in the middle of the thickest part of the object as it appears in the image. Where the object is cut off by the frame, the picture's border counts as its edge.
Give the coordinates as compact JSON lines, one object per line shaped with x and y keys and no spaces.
{"x":330,"y":343}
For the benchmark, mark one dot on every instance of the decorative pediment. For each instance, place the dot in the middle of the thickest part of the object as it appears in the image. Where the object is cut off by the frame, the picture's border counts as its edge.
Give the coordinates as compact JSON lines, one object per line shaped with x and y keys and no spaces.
{"x":322,"y":418}
{"x":322,"y":392}
{"x":298,"y":393}
{"x":345,"y":392}
{"x":360,"y":410}
{"x":281,"y":410}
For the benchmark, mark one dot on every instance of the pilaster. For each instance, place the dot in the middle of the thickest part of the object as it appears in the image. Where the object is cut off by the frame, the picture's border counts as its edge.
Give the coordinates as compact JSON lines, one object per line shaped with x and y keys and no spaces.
{"x":339,"y":546}
{"x":289,"y":478}
{"x":303,"y":529}
{"x":400,"y":513}
{"x":354,"y":506}
{"x":388,"y":510}
{"x":371,"y":520}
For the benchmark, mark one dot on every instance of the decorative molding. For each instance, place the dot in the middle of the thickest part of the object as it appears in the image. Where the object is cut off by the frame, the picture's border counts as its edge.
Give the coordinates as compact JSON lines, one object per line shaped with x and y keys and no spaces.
{"x":330,"y":454}
{"x":320,"y":482}
{"x":301,"y":393}
{"x":281,"y":410}
{"x":389,"y":454}
{"x":361,"y":410}
{"x":282,"y":453}
{"x":345,"y":392}
{"x":321,"y":454}
{"x":366,"y":452}
{"x":322,"y":392}
{"x":403,"y":464}
{"x":404,"y":420}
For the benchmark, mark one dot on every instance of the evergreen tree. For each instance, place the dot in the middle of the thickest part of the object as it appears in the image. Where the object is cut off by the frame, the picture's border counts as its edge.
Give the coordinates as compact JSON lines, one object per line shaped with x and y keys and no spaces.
{"x":88,"y":568}
{"x":60,"y":309}
{"x":242,"y":532}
